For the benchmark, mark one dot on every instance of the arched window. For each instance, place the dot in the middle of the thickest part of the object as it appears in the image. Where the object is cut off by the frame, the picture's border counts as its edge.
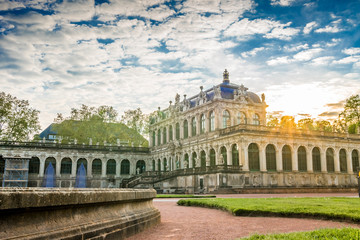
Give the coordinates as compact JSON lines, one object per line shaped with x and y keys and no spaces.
{"x":203,"y":159}
{"x":158,"y":137}
{"x":355,"y":160}
{"x":202,"y":120}
{"x":47,"y":162}
{"x":270,"y":157}
{"x":164,"y":135}
{"x":111,"y":167}
{"x":170,"y":132}
{"x":224,"y":154}
{"x":153,"y":139}
{"x":193,"y":126}
{"x":194,"y":156}
{"x":186,"y":159}
{"x":286,"y":158}
{"x":65,"y":167}
{"x":165,"y":164}
{"x":241,"y":118}
{"x":177,"y":132}
{"x":79,"y":162}
{"x":330,"y":160}
{"x":153,"y":165}
{"x":159,"y":165}
{"x":96,"y":167}
{"x":212,"y":157}
{"x":186,"y":129}
{"x":256,"y":119}
{"x":343,"y":164}
{"x":34,"y":165}
{"x":125,"y":167}
{"x":141,"y":166}
{"x":316,"y":159}
{"x":253,"y":155}
{"x":226,"y":119}
{"x":2,"y":164}
{"x":302,"y":164}
{"x":235,"y":155}
{"x":212,"y":121}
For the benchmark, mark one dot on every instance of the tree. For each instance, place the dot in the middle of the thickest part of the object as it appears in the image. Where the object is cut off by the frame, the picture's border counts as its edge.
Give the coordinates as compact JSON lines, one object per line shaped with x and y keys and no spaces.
{"x":323,"y":125}
{"x":349,"y":118}
{"x":287,"y":122}
{"x":137,"y":120}
{"x":306,"y":124}
{"x":272,"y":121}
{"x":18,"y":121}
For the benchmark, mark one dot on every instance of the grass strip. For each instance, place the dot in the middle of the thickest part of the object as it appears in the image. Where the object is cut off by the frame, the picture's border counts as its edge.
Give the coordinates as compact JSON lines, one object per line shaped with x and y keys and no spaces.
{"x":326,"y":233}
{"x":183,"y":196}
{"x":337,"y":208}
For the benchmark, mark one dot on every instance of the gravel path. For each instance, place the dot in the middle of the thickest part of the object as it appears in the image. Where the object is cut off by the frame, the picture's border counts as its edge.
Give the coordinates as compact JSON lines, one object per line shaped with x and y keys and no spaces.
{"x":180,"y":222}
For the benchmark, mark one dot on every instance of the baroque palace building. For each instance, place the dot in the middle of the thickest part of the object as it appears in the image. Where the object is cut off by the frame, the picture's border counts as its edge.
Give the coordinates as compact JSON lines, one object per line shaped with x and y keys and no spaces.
{"x":219,"y":139}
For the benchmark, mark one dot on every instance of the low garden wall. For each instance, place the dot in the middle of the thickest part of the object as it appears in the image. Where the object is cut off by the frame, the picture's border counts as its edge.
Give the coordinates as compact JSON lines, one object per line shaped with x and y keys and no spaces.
{"x":58,"y":213}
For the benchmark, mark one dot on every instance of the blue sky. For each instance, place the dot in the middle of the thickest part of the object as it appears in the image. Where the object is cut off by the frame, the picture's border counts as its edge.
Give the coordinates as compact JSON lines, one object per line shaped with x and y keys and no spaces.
{"x":304,"y":55}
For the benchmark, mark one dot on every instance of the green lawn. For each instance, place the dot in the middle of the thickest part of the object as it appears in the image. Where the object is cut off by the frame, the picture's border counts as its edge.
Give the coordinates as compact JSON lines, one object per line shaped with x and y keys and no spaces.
{"x":183,"y":196}
{"x":338,"y":208}
{"x":332,"y":233}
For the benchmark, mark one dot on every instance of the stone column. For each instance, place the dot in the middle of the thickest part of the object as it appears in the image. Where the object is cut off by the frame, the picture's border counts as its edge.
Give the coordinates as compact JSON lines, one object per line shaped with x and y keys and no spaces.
{"x":262,"y":157}
{"x":198,"y":124}
{"x":190,"y":159}
{"x":89,"y":168}
{"x":216,"y":118}
{"x":207,"y":122}
{"x":189,"y":127}
{"x":279,"y":163}
{"x":181,"y":123}
{"x":167,"y":129}
{"x":117,"y":170}
{"x":73,"y":166}
{"x":151,"y":144}
{"x":294,"y":159}
{"x":58,"y":166}
{"x":350,"y":169}
{"x":103,"y":168}
{"x":337,"y":160}
{"x":309,"y":160}
{"x":323,"y":159}
{"x":245,"y":157}
{"x":42,"y":166}
{"x":229,"y":155}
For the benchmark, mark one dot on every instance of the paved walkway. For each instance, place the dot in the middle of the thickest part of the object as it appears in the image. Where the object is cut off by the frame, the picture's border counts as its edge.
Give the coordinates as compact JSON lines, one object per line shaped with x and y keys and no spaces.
{"x":180,"y":222}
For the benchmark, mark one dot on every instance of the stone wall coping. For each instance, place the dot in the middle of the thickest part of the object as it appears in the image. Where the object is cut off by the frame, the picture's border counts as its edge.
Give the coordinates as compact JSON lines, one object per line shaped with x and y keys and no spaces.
{"x":20,"y":198}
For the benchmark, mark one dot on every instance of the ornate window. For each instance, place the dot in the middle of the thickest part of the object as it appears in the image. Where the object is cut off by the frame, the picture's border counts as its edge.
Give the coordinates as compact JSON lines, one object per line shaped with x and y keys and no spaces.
{"x":330,"y":160}
{"x":186,"y":129}
{"x":241,"y":118}
{"x":125,"y":167}
{"x":224,"y":154}
{"x":194,"y":157}
{"x":96,"y":167}
{"x":186,"y":159}
{"x":355,"y":160}
{"x":226,"y":119}
{"x":66,"y":164}
{"x":177,"y":131}
{"x":256,"y":119}
{"x":302,"y":164}
{"x":141,"y":166}
{"x":286,"y":158}
{"x":202,"y":127}
{"x":81,"y":161}
{"x":270,"y":158}
{"x":159,"y":165}
{"x":203,"y":159}
{"x":235,"y":155}
{"x":253,"y":155}
{"x":48,"y":161}
{"x":343,"y":164}
{"x":193,"y":126}
{"x":316,"y":159}
{"x":165,"y":164}
{"x":212,"y":121}
{"x":212,"y":157}
{"x":34,"y":165}
{"x":111,"y":167}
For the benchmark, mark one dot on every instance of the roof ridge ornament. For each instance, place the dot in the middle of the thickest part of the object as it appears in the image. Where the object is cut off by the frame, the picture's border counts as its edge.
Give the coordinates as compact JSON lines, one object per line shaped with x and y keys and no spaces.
{"x":226,"y":77}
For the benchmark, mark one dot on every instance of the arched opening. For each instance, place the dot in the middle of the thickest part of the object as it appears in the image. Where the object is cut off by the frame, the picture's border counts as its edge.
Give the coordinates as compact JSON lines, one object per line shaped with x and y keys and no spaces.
{"x":330,"y":160}
{"x":153,"y":165}
{"x":212,"y":157}
{"x":253,"y":155}
{"x":2,"y":164}
{"x":343,"y":164}
{"x":202,"y":125}
{"x":223,"y":153}
{"x":235,"y":155}
{"x":34,"y":165}
{"x":203,"y":160}
{"x":158,"y":137}
{"x":302,"y":163}
{"x":111,"y":167}
{"x":170,"y":133}
{"x":316,"y":159}
{"x":270,"y":157}
{"x":165,"y":164}
{"x":194,"y":159}
{"x":193,"y":126}
{"x":226,"y":119}
{"x":286,"y":158}
{"x":78,"y":164}
{"x":177,"y":132}
{"x":186,"y":129}
{"x":66,"y":166}
{"x":159,"y":165}
{"x":48,"y":161}
{"x":186,"y":160}
{"x":125,"y":167}
{"x":140,"y":166}
{"x":96,"y":167}
{"x":355,"y":160}
{"x":256,"y":119}
{"x":164,"y":135}
{"x":211,"y":121}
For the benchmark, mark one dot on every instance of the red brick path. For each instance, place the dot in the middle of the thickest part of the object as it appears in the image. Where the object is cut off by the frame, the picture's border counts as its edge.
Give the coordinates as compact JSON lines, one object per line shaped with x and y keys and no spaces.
{"x":179,"y":222}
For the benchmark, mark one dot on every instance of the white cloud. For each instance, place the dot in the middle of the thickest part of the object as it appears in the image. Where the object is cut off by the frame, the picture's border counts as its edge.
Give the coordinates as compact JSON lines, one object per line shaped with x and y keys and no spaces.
{"x":297,"y":47}
{"x":351,"y":51}
{"x":309,"y":27}
{"x":347,"y":60}
{"x":307,"y":55}
{"x":332,"y":28}
{"x":252,"y":53}
{"x":279,"y":61}
{"x":322,"y":61}
{"x":283,"y":3}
